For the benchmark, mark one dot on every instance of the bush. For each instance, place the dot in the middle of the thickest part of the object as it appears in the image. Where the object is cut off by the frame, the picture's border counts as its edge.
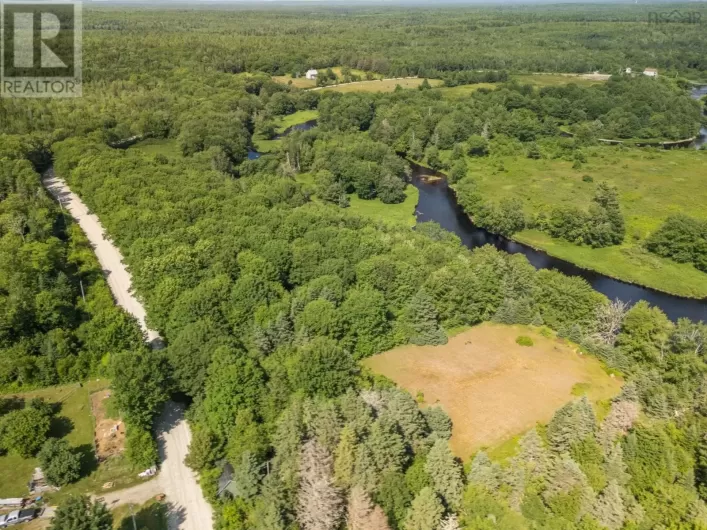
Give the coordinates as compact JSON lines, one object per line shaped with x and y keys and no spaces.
{"x":522,"y":340}
{"x":61,"y":464}
{"x":24,"y":431}
{"x":140,"y":448}
{"x":587,"y":178}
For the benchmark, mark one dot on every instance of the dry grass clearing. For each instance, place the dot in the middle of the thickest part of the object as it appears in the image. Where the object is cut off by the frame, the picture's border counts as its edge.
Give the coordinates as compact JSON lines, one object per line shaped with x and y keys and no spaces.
{"x":493,"y":388}
{"x":385,"y":85}
{"x":297,"y":82}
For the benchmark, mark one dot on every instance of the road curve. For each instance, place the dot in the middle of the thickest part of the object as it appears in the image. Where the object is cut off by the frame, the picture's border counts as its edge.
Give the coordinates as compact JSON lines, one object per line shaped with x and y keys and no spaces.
{"x":188,"y":508}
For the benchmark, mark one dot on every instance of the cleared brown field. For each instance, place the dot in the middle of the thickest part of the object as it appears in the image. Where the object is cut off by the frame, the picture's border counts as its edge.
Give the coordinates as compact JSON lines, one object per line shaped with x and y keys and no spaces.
{"x":297,"y":82}
{"x":385,"y":85}
{"x":491,"y":387}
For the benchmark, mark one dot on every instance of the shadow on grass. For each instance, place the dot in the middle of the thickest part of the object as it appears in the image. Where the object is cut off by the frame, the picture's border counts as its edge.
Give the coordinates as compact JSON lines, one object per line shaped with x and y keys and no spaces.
{"x":153,"y":517}
{"x":60,"y":427}
{"x":89,"y":464}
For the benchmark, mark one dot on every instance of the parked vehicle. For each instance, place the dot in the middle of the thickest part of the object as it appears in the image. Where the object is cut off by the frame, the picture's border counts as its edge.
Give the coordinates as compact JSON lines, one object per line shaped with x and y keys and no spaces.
{"x":17,"y":517}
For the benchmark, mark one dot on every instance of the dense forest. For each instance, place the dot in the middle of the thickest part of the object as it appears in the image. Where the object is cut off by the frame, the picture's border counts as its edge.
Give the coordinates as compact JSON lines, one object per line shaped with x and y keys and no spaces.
{"x":267,"y":297}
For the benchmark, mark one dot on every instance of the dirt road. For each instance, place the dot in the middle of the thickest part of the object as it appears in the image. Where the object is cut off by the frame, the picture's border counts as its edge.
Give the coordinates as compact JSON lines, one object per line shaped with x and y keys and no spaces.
{"x":108,"y":255}
{"x":188,"y":508}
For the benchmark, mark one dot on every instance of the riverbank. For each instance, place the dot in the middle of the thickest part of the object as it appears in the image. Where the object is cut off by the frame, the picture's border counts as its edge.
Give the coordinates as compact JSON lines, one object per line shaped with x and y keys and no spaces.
{"x":652,"y":185}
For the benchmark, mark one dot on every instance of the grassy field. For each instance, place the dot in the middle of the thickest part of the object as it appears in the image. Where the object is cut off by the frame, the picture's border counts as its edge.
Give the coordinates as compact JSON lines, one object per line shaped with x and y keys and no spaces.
{"x":652,"y":184}
{"x":298,"y":117}
{"x":543,"y":80}
{"x":403,"y":212}
{"x":157,"y":146}
{"x":75,"y":423}
{"x":492,"y":388}
{"x":385,"y":85}
{"x":299,"y":82}
{"x":461,"y":91}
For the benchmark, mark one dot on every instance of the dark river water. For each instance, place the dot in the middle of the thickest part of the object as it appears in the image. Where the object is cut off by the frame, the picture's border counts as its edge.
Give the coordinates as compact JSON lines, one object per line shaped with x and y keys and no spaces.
{"x":697,"y":93}
{"x":437,"y":203}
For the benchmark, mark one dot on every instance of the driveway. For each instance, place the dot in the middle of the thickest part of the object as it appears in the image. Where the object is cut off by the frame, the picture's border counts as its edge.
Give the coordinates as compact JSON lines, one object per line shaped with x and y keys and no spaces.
{"x":188,"y":508}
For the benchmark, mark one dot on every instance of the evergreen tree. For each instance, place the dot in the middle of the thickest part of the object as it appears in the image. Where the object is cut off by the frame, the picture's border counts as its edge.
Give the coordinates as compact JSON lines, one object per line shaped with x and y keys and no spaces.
{"x":80,"y":513}
{"x":425,"y":513}
{"x":615,"y":467}
{"x":386,"y":446}
{"x":571,"y":424}
{"x":345,"y":457}
{"x":365,"y":472}
{"x":403,"y":409}
{"x":421,"y":320}
{"x":362,"y":514}
{"x":394,"y":497}
{"x":247,"y":477}
{"x":268,"y":517}
{"x":439,"y":422}
{"x":445,"y":472}
{"x":607,"y":197}
{"x":535,"y":455}
{"x":319,"y":502}
{"x":608,"y":508}
{"x":484,"y":472}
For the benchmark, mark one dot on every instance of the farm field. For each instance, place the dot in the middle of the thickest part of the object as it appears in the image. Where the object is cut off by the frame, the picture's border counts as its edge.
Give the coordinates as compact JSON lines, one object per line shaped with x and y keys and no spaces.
{"x":543,"y":80}
{"x":652,"y":184}
{"x":493,"y":388}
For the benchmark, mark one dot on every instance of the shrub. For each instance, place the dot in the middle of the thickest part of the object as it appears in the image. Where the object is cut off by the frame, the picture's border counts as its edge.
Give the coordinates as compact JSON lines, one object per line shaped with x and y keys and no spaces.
{"x":587,"y":178}
{"x":61,"y":464}
{"x":524,"y":341}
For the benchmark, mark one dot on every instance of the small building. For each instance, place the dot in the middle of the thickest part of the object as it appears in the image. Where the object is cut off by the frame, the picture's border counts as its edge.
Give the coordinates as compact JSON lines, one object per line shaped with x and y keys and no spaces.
{"x":650,"y":72}
{"x":311,"y":74}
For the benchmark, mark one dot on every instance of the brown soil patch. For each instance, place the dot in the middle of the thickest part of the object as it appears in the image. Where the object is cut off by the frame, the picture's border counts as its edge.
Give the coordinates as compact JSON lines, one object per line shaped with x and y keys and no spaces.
{"x":491,"y":387}
{"x":109,"y":432}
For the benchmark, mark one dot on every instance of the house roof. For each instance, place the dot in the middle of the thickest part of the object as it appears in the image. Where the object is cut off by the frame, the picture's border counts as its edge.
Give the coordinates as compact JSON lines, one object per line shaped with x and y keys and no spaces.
{"x":650,"y":70}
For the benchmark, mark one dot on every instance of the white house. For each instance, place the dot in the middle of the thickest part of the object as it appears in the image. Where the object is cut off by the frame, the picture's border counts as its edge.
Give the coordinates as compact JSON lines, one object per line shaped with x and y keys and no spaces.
{"x":650,"y":72}
{"x":311,"y":74}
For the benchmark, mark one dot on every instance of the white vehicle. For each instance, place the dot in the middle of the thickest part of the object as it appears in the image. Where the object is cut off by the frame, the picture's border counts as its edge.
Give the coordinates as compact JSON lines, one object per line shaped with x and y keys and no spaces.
{"x":16,"y":517}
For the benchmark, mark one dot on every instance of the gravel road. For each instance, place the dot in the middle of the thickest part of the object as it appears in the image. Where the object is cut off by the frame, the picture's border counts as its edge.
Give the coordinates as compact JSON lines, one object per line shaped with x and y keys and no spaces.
{"x":189,"y":510}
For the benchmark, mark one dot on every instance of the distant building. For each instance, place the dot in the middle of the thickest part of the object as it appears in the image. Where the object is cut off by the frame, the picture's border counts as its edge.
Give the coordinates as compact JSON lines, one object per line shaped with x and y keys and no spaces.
{"x":311,"y":74}
{"x":628,"y":71}
{"x":650,"y":72}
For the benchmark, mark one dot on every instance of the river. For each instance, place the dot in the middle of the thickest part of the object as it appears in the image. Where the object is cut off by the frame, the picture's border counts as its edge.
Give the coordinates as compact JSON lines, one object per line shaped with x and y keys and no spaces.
{"x":438,"y":203}
{"x":697,"y":93}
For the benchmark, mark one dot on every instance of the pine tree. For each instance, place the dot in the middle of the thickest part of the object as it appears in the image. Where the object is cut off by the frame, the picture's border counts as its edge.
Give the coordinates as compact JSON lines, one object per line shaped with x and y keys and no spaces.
{"x":439,"y":422}
{"x":362,"y":514}
{"x":446,"y":473}
{"x":365,"y":472}
{"x":421,"y":319}
{"x":535,"y":455}
{"x":78,"y":512}
{"x":386,"y":445}
{"x":345,"y":458}
{"x":621,"y":417}
{"x":568,"y":479}
{"x":425,"y":512}
{"x":571,"y":424}
{"x":287,"y":442}
{"x":537,"y":320}
{"x":514,"y":478}
{"x":484,"y":472}
{"x":403,"y":409}
{"x":506,"y":312}
{"x":247,"y":477}
{"x":615,"y":467}
{"x":608,"y":508}
{"x":319,"y":502}
{"x":587,"y":420}
{"x":268,"y":517}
